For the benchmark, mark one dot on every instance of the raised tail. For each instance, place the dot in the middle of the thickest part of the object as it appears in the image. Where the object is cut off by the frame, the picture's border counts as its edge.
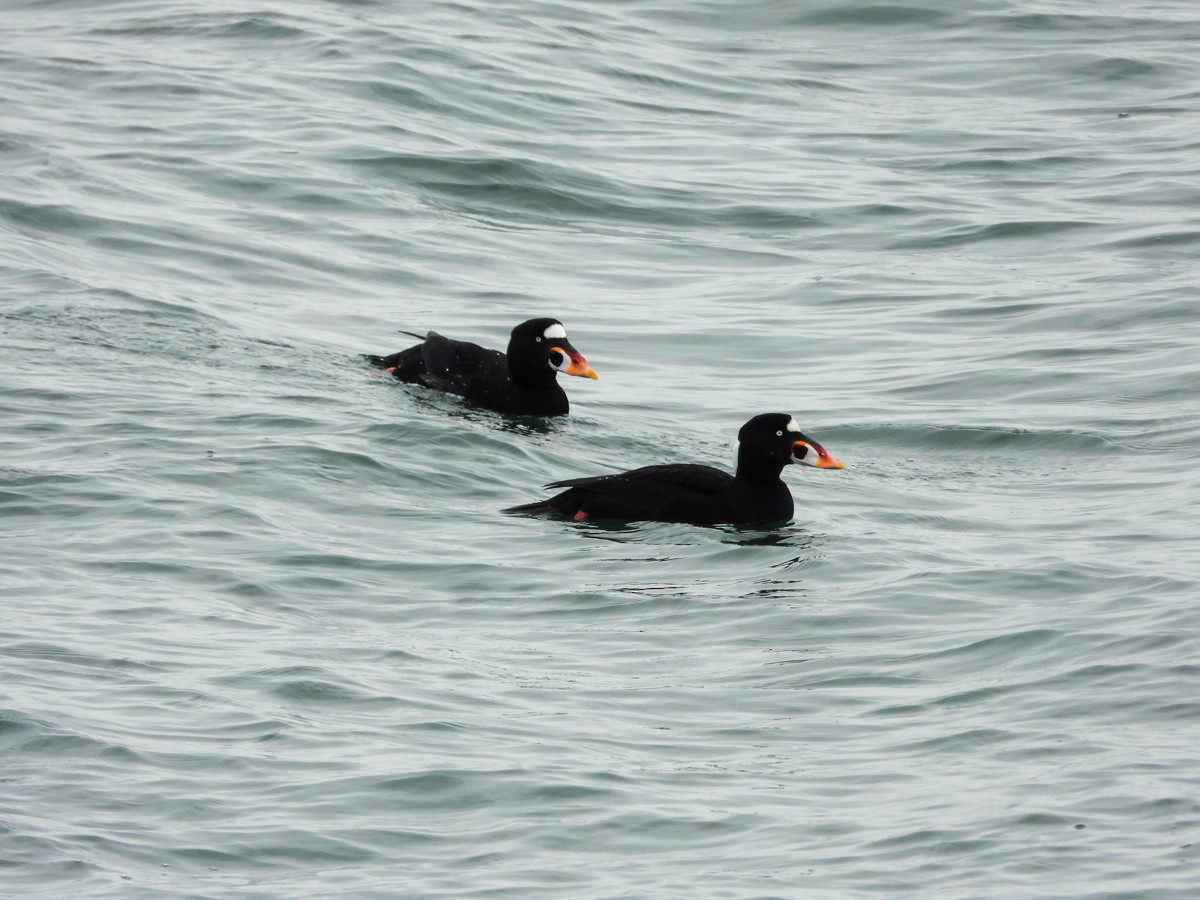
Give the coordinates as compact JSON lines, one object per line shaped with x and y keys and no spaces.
{"x":392,"y":360}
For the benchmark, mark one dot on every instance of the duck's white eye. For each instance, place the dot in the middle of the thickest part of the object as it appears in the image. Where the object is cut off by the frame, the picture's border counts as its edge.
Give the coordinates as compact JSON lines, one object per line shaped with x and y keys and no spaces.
{"x":792,"y":426}
{"x":779,"y":434}
{"x":555,"y":331}
{"x":539,"y":340}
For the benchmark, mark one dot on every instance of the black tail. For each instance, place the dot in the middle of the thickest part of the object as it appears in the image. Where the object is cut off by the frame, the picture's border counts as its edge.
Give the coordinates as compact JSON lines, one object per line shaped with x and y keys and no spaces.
{"x":392,"y":359}
{"x":530,"y":509}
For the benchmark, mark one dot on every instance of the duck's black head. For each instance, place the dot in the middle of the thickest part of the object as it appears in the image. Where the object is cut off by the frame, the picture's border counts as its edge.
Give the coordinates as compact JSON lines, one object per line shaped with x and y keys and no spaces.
{"x":771,"y":441}
{"x":539,"y":348}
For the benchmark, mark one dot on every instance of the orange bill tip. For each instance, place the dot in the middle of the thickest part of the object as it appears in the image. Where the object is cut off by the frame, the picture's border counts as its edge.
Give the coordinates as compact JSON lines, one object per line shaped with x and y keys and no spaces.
{"x":578,"y":365}
{"x":823,"y":460}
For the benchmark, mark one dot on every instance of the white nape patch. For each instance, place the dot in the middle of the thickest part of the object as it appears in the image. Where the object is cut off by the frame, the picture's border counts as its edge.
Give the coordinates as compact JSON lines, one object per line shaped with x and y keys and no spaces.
{"x":555,"y":331}
{"x":792,"y":426}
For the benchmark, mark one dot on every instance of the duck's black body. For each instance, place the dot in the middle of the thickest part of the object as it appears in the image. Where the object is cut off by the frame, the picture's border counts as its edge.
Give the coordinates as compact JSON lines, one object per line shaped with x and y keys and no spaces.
{"x":698,"y":495}
{"x":521,"y":381}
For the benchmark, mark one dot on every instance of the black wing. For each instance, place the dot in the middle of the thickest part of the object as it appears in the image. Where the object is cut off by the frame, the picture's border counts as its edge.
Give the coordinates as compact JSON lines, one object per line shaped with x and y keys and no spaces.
{"x":460,"y":367}
{"x":702,"y":479}
{"x":674,"y":493}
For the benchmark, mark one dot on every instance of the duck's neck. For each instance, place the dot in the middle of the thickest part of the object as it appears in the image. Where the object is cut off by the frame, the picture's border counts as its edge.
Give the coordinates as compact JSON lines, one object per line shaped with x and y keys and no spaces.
{"x":536,"y":374}
{"x":756,"y":469}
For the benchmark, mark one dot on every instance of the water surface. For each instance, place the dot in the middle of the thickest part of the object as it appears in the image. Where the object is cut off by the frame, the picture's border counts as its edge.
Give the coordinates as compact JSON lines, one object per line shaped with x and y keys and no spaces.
{"x":265,"y":631}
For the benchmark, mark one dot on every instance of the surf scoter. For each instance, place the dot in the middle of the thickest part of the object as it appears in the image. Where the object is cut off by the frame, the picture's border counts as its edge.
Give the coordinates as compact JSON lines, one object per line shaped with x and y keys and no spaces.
{"x":522,"y":381}
{"x":694,"y":494}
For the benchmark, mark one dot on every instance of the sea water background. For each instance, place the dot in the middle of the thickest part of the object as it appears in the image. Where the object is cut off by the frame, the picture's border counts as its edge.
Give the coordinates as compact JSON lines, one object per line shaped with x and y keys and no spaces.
{"x":264,"y":631}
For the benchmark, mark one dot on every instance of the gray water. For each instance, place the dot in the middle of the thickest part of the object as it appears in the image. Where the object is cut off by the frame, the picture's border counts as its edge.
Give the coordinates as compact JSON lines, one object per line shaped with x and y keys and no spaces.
{"x":265,"y":632}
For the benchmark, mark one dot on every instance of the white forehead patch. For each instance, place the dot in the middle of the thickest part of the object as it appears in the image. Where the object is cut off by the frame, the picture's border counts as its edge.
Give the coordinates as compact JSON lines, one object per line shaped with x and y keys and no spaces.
{"x":555,"y":331}
{"x":792,"y":426}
